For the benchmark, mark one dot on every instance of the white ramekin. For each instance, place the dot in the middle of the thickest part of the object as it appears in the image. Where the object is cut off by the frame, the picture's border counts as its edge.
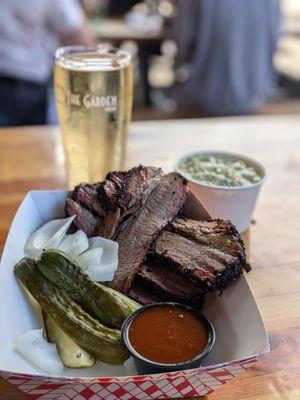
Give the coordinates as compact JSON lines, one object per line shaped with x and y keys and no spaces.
{"x":234,"y":203}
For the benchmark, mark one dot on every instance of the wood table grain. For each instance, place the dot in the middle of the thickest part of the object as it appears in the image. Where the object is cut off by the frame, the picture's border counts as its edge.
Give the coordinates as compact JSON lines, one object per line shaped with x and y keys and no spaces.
{"x":32,"y":158}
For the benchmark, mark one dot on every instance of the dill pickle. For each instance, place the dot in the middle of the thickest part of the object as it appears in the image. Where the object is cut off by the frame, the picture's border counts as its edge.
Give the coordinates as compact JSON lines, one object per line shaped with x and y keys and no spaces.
{"x":99,"y":340}
{"x":106,"y":304}
{"x":72,"y":355}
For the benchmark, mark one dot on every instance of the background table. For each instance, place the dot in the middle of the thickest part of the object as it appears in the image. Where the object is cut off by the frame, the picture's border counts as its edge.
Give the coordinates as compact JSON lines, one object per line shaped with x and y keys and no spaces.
{"x":32,"y":158}
{"x":117,"y":31}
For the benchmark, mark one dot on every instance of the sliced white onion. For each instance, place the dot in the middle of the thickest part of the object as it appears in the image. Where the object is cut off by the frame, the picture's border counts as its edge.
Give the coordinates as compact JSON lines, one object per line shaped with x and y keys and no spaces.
{"x":90,"y":262}
{"x":90,"y":257}
{"x":98,"y":276}
{"x":74,"y":244}
{"x":110,"y":251}
{"x":97,"y":256}
{"x":99,"y":268}
{"x":48,"y":236}
{"x":95,"y":241}
{"x":39,"y":352}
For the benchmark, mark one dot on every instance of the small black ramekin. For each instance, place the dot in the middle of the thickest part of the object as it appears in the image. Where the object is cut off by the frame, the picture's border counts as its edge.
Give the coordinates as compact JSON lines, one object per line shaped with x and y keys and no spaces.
{"x":148,"y":367}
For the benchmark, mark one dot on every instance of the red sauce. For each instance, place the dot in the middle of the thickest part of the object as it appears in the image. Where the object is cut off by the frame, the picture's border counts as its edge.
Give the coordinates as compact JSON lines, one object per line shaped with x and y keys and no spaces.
{"x":168,"y":334}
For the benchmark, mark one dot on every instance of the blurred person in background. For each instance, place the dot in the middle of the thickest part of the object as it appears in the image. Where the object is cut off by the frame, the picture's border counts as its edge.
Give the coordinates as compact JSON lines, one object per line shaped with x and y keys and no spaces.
{"x":225,"y":51}
{"x":30,"y":31}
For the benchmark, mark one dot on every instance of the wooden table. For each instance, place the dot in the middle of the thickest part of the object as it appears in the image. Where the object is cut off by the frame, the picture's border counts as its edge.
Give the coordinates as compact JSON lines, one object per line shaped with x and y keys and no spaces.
{"x":32,"y":158}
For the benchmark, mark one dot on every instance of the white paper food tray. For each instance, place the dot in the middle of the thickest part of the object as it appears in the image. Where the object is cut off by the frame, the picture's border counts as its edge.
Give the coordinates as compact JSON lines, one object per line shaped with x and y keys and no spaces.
{"x":241,"y":338}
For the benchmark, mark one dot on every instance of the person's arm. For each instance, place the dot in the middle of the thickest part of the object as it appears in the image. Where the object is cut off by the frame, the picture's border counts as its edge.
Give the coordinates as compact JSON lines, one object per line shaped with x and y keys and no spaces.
{"x":67,"y":21}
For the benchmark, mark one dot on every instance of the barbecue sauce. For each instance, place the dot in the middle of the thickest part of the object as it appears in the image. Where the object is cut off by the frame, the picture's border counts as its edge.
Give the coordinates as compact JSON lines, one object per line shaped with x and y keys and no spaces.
{"x":168,"y":334}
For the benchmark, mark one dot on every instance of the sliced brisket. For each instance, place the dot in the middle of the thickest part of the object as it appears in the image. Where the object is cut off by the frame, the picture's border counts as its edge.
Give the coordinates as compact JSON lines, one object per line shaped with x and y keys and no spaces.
{"x":87,"y":196}
{"x":127,"y":190}
{"x":161,"y":206}
{"x":109,"y":190}
{"x":114,"y":201}
{"x":142,"y":294}
{"x":85,"y":219}
{"x":211,"y":259}
{"x":129,"y":207}
{"x":218,"y":234}
{"x":162,"y":257}
{"x":169,"y":284}
{"x":137,"y":186}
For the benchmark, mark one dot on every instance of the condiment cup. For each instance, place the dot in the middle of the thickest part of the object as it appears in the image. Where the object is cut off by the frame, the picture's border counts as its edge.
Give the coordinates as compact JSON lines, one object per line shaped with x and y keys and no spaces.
{"x":233,"y":203}
{"x":148,"y":367}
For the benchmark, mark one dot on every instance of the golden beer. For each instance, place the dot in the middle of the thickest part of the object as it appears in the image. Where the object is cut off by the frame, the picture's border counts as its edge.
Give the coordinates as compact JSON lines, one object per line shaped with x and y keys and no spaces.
{"x":93,"y":89}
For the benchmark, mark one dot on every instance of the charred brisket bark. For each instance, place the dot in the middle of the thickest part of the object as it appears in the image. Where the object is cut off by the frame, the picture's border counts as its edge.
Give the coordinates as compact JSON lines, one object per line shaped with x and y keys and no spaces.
{"x":161,"y":206}
{"x":219,"y":234}
{"x":162,"y":256}
{"x":87,"y":196}
{"x":112,"y":202}
{"x":209,"y":254}
{"x":85,"y":219}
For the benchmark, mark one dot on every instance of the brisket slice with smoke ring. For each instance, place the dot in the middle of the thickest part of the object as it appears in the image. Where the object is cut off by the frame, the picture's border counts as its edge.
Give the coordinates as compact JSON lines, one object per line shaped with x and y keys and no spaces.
{"x":218,"y":234}
{"x":91,"y":224}
{"x":210,"y":266}
{"x":169,"y":284}
{"x":161,"y":206}
{"x":138,"y":184}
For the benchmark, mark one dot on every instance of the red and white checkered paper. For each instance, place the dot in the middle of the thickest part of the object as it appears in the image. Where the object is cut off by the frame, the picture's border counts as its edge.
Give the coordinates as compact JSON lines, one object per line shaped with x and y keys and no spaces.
{"x":181,"y":384}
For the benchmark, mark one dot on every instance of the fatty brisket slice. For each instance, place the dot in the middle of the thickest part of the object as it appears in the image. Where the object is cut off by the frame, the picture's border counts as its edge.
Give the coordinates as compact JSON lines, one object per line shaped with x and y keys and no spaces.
{"x":142,"y":294}
{"x":168,"y":284}
{"x":208,"y":254}
{"x":161,"y":206}
{"x":218,"y":233}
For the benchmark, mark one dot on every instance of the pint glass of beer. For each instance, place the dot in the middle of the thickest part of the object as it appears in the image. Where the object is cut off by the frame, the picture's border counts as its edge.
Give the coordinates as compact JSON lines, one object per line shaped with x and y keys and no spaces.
{"x":93,"y":90}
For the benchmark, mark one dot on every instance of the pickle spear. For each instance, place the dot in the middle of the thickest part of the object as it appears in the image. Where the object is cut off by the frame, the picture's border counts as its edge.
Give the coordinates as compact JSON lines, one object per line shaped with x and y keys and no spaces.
{"x":87,"y":332}
{"x":72,"y":355}
{"x":106,"y":304}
